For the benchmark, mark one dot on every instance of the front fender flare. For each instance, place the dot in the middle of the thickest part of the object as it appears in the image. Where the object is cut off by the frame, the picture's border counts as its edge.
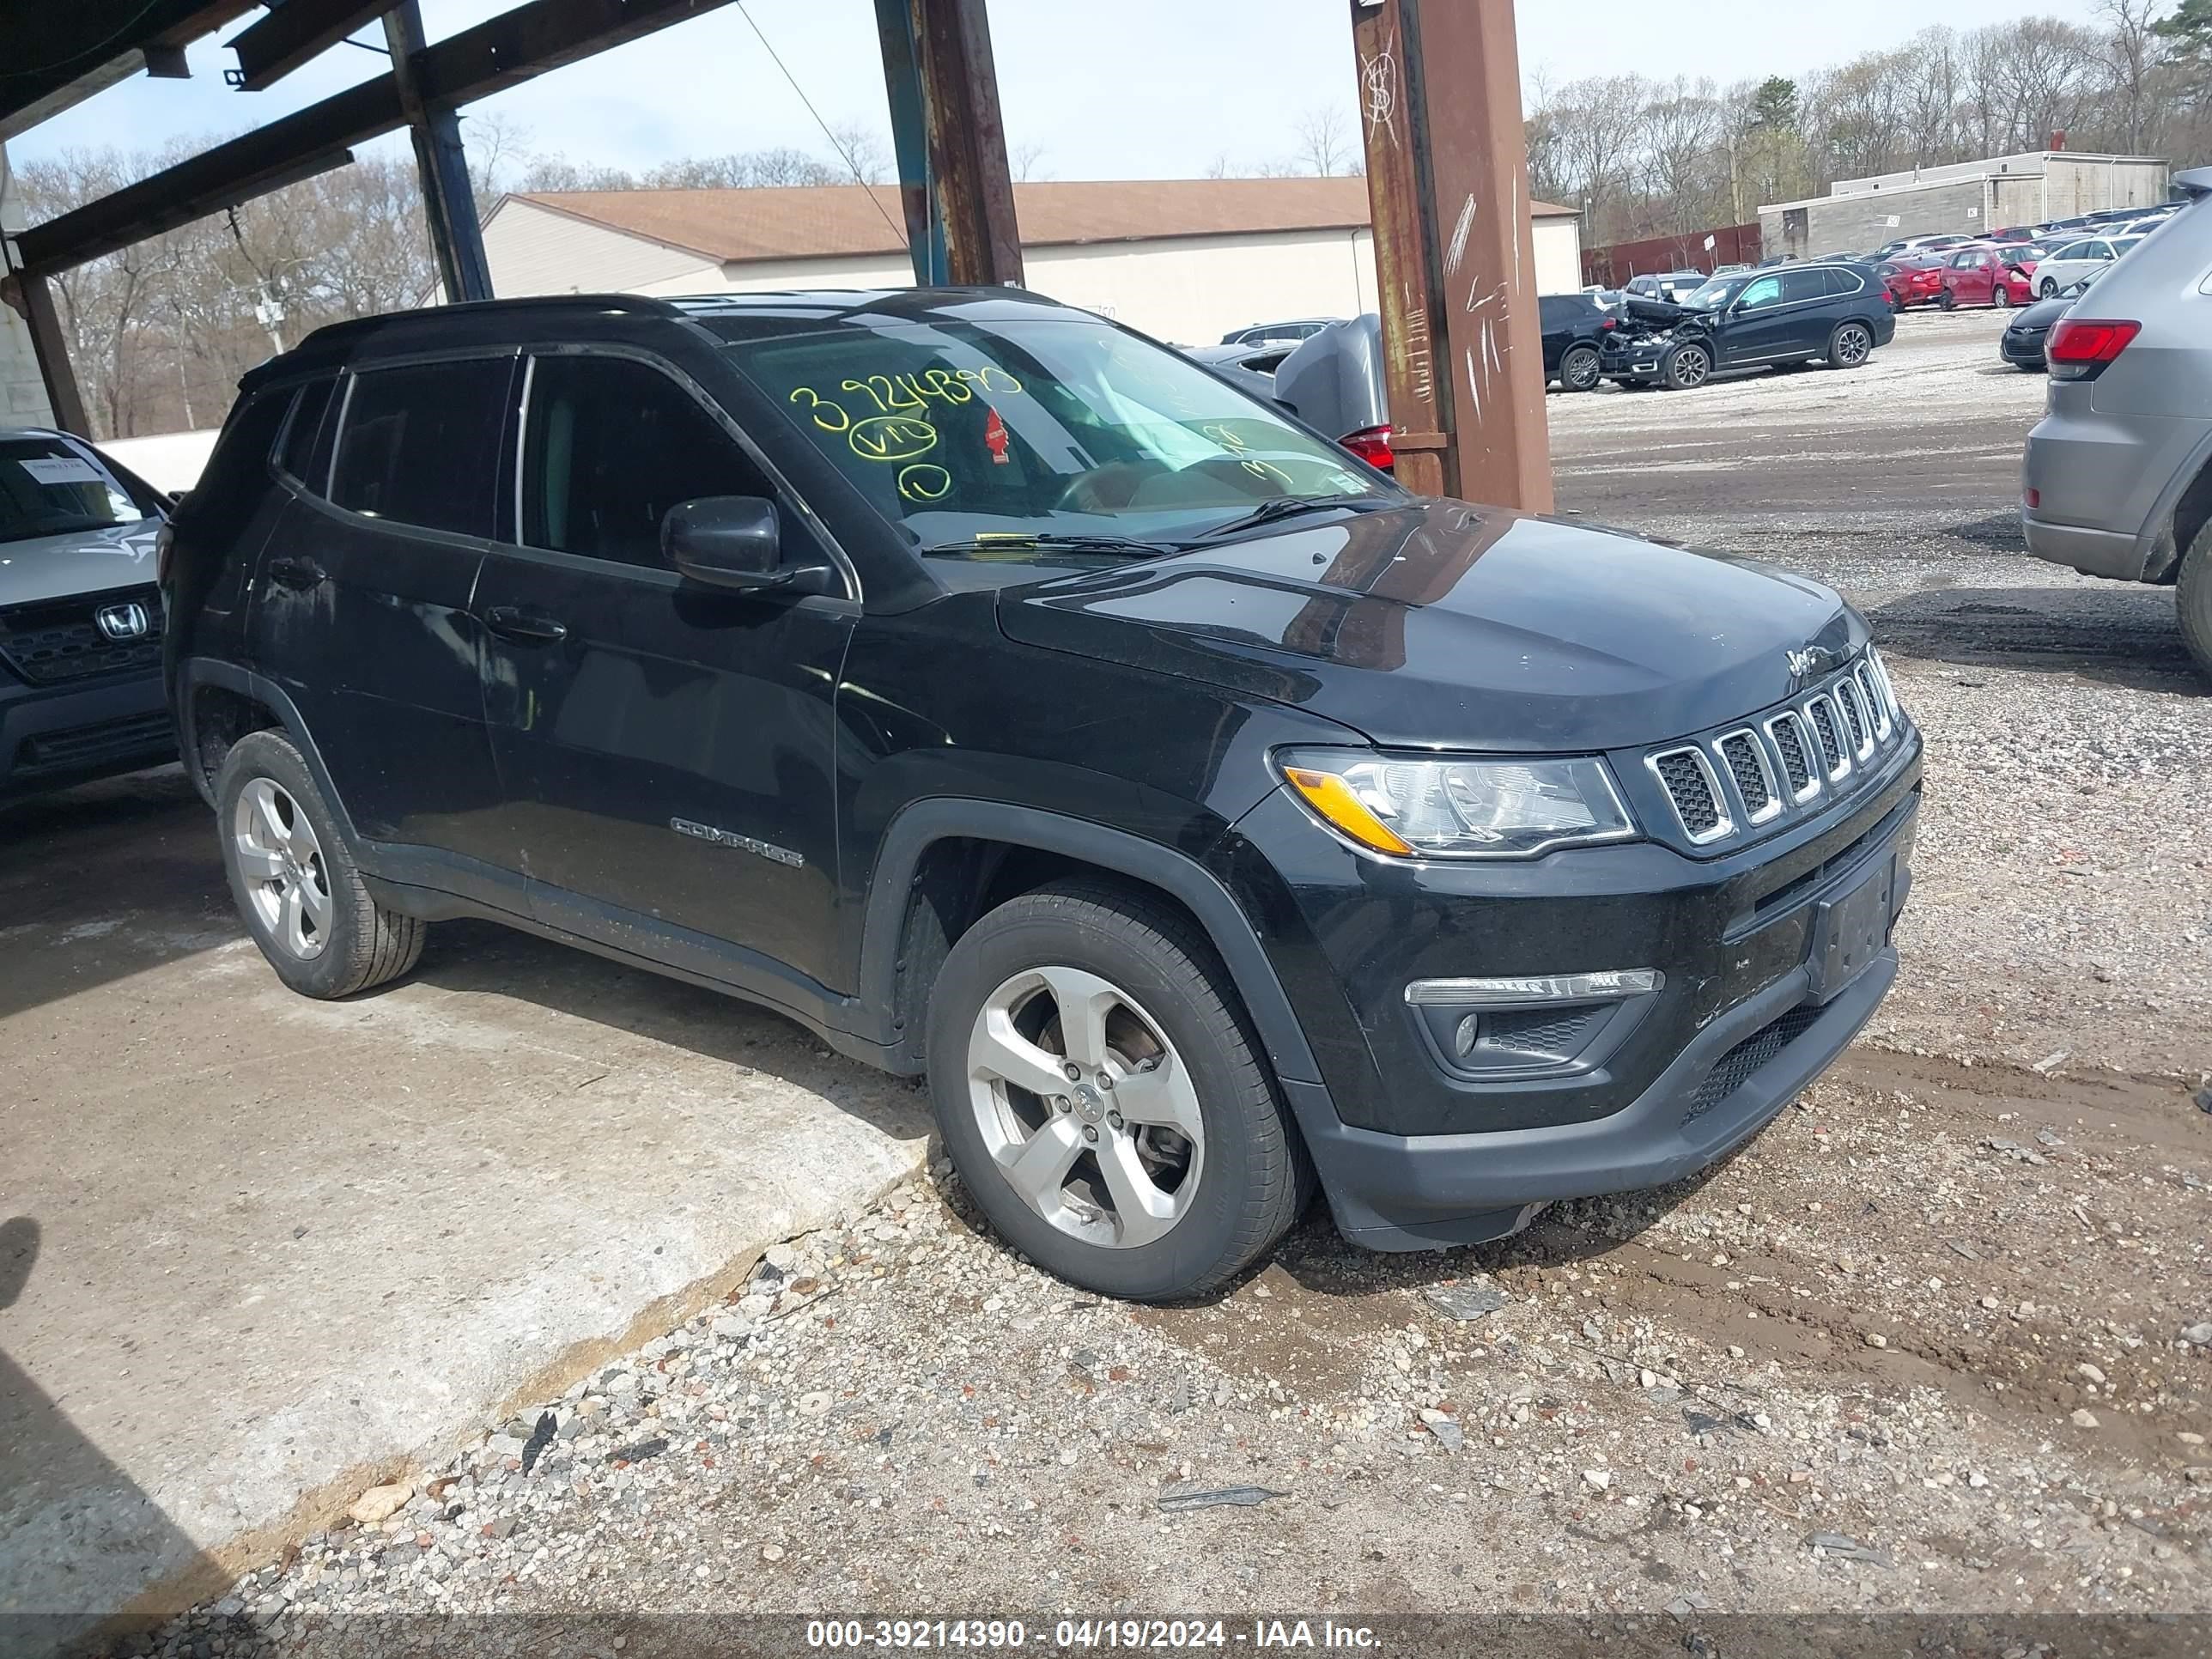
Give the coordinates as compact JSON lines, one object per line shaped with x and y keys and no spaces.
{"x":1172,"y":872}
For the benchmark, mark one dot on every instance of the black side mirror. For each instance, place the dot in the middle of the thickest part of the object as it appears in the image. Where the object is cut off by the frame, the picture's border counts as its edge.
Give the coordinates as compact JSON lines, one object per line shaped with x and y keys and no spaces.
{"x":736,"y":541}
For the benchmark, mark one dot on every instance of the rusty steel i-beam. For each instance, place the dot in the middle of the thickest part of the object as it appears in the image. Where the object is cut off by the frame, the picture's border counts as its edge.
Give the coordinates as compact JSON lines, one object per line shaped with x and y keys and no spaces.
{"x":1446,"y":173}
{"x":953,"y":173}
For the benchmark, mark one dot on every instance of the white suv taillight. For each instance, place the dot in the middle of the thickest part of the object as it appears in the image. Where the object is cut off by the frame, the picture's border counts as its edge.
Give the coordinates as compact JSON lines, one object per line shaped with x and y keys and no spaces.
{"x":2081,"y":348}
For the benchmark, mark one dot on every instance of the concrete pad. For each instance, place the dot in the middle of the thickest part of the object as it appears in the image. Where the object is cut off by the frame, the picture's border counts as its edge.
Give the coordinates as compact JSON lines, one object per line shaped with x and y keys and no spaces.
{"x":264,"y":1251}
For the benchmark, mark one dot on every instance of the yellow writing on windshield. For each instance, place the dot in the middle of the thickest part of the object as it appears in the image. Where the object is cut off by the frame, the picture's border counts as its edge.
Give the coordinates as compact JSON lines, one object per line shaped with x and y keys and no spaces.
{"x":924,"y":482}
{"x":891,"y":438}
{"x":905,"y":396}
{"x":823,"y":409}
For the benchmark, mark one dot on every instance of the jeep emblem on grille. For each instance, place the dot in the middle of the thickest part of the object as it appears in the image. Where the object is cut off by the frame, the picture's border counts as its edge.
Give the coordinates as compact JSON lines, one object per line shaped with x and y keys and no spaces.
{"x":123,"y":621}
{"x":1808,"y":660}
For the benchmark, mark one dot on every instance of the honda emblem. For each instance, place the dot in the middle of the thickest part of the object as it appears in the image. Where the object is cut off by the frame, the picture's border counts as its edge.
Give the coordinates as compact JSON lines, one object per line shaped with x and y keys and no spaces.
{"x":123,"y":621}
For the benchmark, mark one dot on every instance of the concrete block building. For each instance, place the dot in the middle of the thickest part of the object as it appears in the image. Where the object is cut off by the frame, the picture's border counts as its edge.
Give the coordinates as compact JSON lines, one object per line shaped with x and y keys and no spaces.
{"x":1965,"y":197}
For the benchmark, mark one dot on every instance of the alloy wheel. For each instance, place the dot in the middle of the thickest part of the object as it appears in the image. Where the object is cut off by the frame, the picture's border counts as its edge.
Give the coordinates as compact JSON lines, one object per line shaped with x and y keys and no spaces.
{"x":1085,"y":1107}
{"x":1852,"y":345}
{"x":282,"y":863}
{"x":1691,"y":366}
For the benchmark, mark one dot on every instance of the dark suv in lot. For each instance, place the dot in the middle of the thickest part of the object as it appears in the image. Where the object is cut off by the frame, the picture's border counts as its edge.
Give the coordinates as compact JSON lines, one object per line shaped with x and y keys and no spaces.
{"x":1838,"y":310}
{"x":1010,"y":700}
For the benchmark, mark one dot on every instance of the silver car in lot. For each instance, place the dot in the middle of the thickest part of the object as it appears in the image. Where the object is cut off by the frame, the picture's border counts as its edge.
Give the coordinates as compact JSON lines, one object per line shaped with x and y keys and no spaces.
{"x":81,"y":615}
{"x":2118,"y":475}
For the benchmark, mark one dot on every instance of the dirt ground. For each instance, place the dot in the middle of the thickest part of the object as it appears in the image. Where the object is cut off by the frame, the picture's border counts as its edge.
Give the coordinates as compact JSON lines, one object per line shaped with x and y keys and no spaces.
{"x":1940,"y":1340}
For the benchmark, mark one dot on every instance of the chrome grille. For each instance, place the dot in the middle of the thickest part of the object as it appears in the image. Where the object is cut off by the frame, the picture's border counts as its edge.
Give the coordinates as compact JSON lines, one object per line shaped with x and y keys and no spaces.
{"x":1687,"y":777}
{"x":1858,"y":721}
{"x":1754,"y":777}
{"x":1869,"y":684}
{"x":1793,"y":742}
{"x":1785,"y":761}
{"x":1835,"y":759}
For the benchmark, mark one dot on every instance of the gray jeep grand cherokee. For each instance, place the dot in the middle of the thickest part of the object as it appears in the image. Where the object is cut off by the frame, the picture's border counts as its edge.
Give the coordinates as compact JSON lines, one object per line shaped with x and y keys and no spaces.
{"x":80,"y":615}
{"x":2119,"y":471}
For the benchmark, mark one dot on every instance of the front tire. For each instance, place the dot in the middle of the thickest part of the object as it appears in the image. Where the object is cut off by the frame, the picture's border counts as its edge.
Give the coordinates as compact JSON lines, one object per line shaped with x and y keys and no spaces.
{"x":1165,"y":1165}
{"x":2001,"y":297}
{"x":2192,"y":595}
{"x":2047,"y":288}
{"x":1579,"y":368}
{"x":1850,"y":346}
{"x":295,"y":883}
{"x":1686,"y":367}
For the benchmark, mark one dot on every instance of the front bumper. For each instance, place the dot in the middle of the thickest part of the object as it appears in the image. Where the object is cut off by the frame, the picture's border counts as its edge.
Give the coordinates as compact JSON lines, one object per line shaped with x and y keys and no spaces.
{"x":1414,"y":1153}
{"x":55,"y":735}
{"x":1410,"y":1192}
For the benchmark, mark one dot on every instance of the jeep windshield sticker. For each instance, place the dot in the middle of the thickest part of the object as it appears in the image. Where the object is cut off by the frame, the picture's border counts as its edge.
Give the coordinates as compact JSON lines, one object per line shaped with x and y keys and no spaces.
{"x":61,"y":470}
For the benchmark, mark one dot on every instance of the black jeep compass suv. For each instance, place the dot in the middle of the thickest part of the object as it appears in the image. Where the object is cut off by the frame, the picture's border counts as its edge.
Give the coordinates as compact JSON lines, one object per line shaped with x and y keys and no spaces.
{"x":1010,"y":700}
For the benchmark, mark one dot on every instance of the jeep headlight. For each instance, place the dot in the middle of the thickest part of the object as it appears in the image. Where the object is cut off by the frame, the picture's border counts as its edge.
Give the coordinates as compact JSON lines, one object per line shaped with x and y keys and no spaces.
{"x":1458,"y":808}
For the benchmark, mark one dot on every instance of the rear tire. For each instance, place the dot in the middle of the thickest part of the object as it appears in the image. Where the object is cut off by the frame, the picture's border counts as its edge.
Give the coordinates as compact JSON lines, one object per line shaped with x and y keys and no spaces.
{"x":1087,"y":972}
{"x":2047,"y":288}
{"x":1950,"y":299}
{"x":296,"y":883}
{"x":1850,"y":346}
{"x":1579,"y":368}
{"x":2192,"y":595}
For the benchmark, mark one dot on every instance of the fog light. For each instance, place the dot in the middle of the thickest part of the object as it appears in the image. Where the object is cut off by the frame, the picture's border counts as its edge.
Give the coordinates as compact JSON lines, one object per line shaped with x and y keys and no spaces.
{"x":1518,"y":991}
{"x":1463,"y":1037}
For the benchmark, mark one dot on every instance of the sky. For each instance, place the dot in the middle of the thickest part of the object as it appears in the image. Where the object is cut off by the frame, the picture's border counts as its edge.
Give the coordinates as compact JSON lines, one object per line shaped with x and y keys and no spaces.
{"x":1092,"y":89}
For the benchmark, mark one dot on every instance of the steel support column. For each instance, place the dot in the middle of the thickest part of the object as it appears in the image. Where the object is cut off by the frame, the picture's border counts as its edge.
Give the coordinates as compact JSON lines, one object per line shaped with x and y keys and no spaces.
{"x":50,"y":348}
{"x":449,"y":201}
{"x":1454,"y":256}
{"x":951,"y":144}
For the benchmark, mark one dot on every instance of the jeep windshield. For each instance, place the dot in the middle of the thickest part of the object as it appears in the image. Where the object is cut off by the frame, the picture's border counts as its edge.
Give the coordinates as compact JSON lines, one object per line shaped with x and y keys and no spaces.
{"x":47,"y":488}
{"x":1006,"y":439}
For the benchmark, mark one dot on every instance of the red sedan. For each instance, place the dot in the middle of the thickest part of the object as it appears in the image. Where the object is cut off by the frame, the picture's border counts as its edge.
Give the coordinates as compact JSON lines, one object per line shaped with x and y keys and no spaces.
{"x":1914,"y":279}
{"x":1989,"y":275}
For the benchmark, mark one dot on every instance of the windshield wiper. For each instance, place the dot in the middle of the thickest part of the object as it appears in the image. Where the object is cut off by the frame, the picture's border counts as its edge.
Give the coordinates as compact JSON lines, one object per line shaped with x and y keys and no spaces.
{"x":1050,"y":541}
{"x":1284,"y":507}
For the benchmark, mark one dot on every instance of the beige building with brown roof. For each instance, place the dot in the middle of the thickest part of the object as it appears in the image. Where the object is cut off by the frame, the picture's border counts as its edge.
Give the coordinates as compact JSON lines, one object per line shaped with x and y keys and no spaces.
{"x":1185,"y":260}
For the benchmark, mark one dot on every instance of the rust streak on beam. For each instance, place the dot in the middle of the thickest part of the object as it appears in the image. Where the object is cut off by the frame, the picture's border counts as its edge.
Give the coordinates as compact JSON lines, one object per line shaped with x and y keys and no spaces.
{"x":1447,"y":170}
{"x":968,"y":141}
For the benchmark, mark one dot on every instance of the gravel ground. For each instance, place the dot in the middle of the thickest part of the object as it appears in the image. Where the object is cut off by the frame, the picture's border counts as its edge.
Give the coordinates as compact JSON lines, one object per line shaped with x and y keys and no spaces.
{"x":1940,"y":1340}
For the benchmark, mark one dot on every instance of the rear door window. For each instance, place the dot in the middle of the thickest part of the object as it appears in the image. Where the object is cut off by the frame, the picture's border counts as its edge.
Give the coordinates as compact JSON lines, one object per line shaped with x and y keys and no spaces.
{"x":420,"y":444}
{"x":306,"y":453}
{"x":1803,"y":285}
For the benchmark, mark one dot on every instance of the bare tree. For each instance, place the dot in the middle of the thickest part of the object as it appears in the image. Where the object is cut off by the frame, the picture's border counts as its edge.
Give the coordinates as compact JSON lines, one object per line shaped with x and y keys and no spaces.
{"x":1024,"y":159}
{"x":1328,"y":143}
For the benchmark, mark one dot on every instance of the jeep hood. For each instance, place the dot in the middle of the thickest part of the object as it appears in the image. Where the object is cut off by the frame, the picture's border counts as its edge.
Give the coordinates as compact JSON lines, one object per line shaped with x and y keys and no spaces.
{"x":81,"y":561}
{"x":1467,"y":627}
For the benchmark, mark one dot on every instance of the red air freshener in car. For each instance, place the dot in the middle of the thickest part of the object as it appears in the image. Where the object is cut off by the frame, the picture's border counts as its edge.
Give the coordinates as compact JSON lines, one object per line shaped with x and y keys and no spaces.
{"x":994,"y":439}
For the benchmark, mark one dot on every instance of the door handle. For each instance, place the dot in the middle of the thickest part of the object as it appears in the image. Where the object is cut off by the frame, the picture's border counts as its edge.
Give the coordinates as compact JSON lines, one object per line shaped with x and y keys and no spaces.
{"x":300,"y":572}
{"x":511,"y":622}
